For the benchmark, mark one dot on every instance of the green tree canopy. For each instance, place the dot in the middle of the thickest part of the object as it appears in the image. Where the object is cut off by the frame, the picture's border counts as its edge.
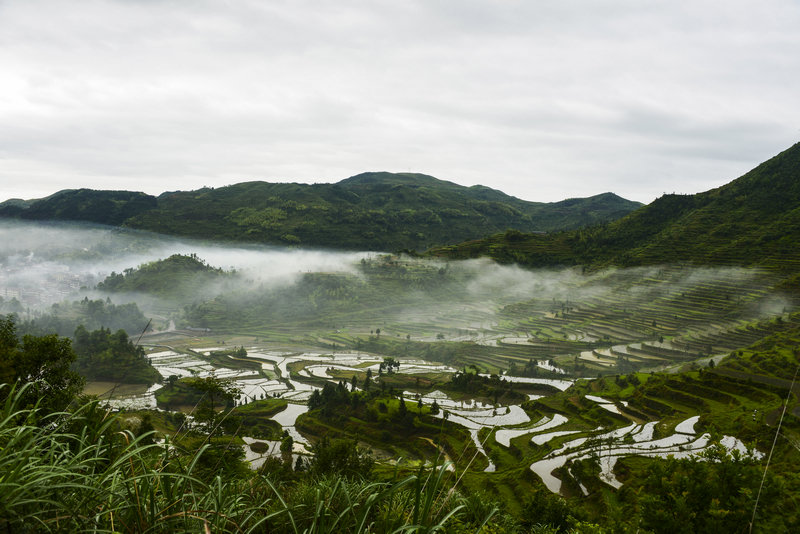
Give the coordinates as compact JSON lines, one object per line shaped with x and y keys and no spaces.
{"x":42,"y":361}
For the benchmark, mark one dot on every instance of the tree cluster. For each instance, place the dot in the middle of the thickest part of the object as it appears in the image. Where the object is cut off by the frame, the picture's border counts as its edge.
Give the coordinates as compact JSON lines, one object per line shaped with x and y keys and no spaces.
{"x":492,"y":386}
{"x":63,"y":318}
{"x":103,"y":355}
{"x":42,"y":363}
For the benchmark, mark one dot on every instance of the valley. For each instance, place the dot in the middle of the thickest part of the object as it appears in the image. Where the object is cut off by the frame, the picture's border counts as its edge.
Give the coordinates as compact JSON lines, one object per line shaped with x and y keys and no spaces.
{"x":415,"y":267}
{"x":588,"y":380}
{"x":576,"y":376}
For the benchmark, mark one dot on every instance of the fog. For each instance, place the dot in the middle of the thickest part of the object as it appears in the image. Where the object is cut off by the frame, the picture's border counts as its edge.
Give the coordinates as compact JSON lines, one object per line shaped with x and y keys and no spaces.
{"x":45,"y":263}
{"x":42,"y":264}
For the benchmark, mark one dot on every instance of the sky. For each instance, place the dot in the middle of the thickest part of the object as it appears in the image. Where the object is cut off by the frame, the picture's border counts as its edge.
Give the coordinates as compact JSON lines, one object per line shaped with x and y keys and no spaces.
{"x":543,"y":100}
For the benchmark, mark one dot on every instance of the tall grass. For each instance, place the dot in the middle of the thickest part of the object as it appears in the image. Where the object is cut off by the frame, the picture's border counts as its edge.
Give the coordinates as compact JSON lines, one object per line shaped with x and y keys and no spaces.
{"x":79,"y":471}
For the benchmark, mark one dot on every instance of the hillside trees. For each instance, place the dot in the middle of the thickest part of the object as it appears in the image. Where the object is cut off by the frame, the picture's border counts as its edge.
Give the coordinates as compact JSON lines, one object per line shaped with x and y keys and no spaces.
{"x":216,"y":394}
{"x":715,"y":493}
{"x":106,"y":356}
{"x":340,"y":457}
{"x":63,"y":318}
{"x":371,"y":211}
{"x":44,"y":362}
{"x":751,"y":220}
{"x":177,"y":276}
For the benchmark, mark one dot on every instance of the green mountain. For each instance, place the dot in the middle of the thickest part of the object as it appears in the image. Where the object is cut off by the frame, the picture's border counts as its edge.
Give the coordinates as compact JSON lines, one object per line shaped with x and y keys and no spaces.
{"x":754,"y":219}
{"x":378,"y":211}
{"x":102,"y":207}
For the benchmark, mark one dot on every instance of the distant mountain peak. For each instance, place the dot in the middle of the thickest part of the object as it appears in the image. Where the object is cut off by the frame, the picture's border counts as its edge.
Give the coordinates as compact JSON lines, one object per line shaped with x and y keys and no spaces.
{"x":392,"y":178}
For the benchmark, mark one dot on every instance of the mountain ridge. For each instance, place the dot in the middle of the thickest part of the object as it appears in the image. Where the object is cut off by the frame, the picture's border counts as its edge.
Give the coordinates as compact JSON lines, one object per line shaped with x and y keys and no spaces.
{"x":752,"y":219}
{"x":374,"y":210}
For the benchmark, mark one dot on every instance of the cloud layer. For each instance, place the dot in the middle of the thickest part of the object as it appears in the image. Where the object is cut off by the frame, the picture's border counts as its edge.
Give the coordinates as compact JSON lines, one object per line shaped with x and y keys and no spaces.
{"x":544,"y":100}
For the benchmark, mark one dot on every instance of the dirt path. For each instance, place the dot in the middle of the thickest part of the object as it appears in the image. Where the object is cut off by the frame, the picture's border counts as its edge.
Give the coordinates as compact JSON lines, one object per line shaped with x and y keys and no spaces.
{"x":441,"y":451}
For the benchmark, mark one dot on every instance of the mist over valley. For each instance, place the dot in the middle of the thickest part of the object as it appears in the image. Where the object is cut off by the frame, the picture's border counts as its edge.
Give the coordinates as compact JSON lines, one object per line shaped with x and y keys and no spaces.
{"x":399,"y":267}
{"x":577,"y":363}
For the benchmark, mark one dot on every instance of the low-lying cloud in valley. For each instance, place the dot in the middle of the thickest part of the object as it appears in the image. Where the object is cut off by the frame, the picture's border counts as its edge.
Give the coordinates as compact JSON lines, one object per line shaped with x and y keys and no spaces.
{"x":43,"y":264}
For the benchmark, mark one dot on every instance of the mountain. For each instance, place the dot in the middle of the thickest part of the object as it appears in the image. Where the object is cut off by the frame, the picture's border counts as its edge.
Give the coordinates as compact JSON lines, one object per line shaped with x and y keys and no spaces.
{"x":376,"y":210}
{"x":101,"y":207}
{"x":754,"y":219}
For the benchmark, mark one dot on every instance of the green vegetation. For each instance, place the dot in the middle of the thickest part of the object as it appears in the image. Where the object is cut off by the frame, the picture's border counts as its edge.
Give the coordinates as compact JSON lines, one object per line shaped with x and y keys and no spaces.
{"x":255,"y":416}
{"x":64,"y":318}
{"x":208,"y":395}
{"x":174,"y":277}
{"x":101,"y":207}
{"x":85,"y":470}
{"x":377,"y":417}
{"x":371,"y":211}
{"x":102,"y":355}
{"x":754,"y":220}
{"x":485,"y":387}
{"x":672,"y":492}
{"x":43,"y":363}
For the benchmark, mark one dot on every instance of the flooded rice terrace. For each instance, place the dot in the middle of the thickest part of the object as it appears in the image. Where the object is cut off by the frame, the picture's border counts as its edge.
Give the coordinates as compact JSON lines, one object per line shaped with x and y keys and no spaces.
{"x":496,"y":422}
{"x":482,"y":314}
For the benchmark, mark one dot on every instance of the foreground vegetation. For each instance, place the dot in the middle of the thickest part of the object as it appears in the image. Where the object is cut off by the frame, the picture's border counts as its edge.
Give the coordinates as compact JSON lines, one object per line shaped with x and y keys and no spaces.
{"x":75,"y":465}
{"x":83,"y":471}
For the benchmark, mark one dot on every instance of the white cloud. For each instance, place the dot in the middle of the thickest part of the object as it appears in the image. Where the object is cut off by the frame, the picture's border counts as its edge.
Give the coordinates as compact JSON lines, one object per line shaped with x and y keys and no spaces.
{"x":542,"y":100}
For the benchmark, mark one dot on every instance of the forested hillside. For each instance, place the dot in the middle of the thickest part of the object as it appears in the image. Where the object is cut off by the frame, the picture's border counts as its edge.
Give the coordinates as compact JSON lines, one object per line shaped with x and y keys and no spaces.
{"x":370,"y":211}
{"x":752,"y":220}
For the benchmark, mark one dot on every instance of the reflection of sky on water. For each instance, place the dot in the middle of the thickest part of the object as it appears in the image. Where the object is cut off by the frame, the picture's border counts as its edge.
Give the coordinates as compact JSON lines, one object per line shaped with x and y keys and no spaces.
{"x":608,"y":447}
{"x":611,"y":446}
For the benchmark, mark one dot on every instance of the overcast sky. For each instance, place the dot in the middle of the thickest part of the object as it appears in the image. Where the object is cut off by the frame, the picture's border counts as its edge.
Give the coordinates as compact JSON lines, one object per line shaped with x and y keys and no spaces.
{"x":544,"y":100}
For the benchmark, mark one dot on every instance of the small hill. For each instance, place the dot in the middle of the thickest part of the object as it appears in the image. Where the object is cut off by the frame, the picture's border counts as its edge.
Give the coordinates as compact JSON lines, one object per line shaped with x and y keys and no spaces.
{"x":754,"y":219}
{"x":13,"y":207}
{"x":375,"y":211}
{"x":176,"y":276}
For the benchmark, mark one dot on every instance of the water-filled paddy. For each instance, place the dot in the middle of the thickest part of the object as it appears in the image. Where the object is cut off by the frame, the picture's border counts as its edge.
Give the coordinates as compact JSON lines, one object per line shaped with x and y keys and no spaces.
{"x":504,"y":423}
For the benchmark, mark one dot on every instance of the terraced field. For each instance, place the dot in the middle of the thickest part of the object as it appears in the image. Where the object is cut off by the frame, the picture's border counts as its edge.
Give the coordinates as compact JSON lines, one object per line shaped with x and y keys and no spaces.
{"x":502,"y":318}
{"x":646,"y":319}
{"x":607,"y":368}
{"x":605,"y":422}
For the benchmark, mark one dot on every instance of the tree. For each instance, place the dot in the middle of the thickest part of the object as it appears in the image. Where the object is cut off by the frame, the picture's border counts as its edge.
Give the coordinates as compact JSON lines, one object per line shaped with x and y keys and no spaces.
{"x":368,"y":380}
{"x":402,"y":409}
{"x":389,"y":364}
{"x":343,"y":457}
{"x":701,"y":495}
{"x":42,"y":361}
{"x":218,"y":394}
{"x":102,"y":355}
{"x":287,"y":444}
